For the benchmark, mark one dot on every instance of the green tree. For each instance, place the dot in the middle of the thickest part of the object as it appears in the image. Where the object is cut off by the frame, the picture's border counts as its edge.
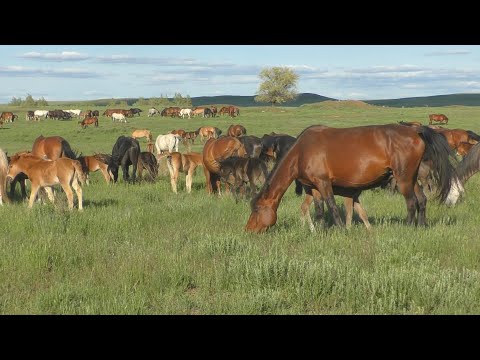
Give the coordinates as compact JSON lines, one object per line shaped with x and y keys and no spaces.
{"x":279,"y":84}
{"x":15,"y":101}
{"x":42,"y":102}
{"x":29,"y":101}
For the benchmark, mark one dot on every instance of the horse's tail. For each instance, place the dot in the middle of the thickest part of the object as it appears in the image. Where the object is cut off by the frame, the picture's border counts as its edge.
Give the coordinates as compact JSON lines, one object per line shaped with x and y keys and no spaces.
{"x":67,"y":150}
{"x":438,"y":151}
{"x":472,"y":135}
{"x":79,"y":173}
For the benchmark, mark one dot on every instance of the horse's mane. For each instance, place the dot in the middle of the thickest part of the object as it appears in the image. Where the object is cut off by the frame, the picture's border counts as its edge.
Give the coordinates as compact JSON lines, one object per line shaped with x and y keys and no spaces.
{"x":473,"y":135}
{"x":104,"y":158}
{"x":469,"y":165}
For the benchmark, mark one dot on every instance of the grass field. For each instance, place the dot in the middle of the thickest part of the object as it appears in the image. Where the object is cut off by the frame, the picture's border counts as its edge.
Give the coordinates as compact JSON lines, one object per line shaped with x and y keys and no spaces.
{"x":140,"y":249}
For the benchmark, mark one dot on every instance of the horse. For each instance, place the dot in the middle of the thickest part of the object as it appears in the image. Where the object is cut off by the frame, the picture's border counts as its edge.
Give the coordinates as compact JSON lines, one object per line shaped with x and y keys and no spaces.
{"x":109,"y":112}
{"x":89,"y":121}
{"x":253,"y":145}
{"x":191,"y":136}
{"x":208,"y":132}
{"x":456,"y":136}
{"x":3,"y":177}
{"x":166,"y":142}
{"x":40,"y":113}
{"x":153,"y":111}
{"x":187,"y":112}
{"x":349,"y":160}
{"x":198,"y":111}
{"x":468,"y":167}
{"x":214,"y":151}
{"x":186,"y":163}
{"x":119,"y":117}
{"x":237,"y":171}
{"x":236,"y":130}
{"x":94,"y":163}
{"x":147,"y":161}
{"x":47,"y":173}
{"x":463,"y":148}
{"x":125,"y":152}
{"x":438,"y":118}
{"x":29,"y":115}
{"x":95,"y":113}
{"x":52,"y":147}
{"x":410,"y":123}
{"x":142,"y":133}
{"x":7,"y":116}
{"x":135,"y":111}
{"x":179,"y":132}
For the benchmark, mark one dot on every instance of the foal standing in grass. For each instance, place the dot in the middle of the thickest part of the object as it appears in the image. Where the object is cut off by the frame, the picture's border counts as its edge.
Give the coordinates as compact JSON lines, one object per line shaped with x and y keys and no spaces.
{"x":46,"y":173}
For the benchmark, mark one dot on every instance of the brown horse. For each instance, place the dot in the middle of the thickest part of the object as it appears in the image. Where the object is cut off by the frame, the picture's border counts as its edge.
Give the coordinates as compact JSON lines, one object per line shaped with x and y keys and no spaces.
{"x":94,"y":163}
{"x":89,"y":121}
{"x":216,"y":150}
{"x":52,"y":147}
{"x":456,"y":136}
{"x":186,"y":163}
{"x":463,"y":148}
{"x":47,"y":173}
{"x":147,"y":161}
{"x":438,"y":118}
{"x":236,"y":130}
{"x":139,"y":133}
{"x":208,"y":132}
{"x":350,"y":160}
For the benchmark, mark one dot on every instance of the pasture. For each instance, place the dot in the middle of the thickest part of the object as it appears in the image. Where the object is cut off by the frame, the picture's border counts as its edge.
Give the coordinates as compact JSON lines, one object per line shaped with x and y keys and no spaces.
{"x":141,"y":249}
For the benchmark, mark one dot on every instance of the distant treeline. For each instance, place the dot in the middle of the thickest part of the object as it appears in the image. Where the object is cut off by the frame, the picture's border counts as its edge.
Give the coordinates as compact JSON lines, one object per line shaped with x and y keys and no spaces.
{"x":28,"y":101}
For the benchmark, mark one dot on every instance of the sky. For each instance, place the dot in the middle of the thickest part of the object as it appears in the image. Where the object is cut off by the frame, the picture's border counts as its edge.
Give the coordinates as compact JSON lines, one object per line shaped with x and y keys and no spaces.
{"x":345,"y":72}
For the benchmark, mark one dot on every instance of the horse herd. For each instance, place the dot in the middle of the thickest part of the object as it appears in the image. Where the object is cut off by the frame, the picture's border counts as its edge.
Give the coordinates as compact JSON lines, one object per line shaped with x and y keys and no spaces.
{"x":323,"y":161}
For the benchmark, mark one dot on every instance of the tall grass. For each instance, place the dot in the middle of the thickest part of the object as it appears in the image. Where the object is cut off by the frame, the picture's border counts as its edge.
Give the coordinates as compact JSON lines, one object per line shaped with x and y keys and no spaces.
{"x":140,"y":249}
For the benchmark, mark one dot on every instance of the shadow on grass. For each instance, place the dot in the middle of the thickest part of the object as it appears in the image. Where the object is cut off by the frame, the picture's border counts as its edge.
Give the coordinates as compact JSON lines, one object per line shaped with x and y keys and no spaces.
{"x":99,"y":203}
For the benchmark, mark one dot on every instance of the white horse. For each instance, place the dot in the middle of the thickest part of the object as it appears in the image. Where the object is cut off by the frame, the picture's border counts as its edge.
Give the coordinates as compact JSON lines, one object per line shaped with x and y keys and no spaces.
{"x":184,"y":112}
{"x":40,"y":113}
{"x":3,"y":177}
{"x":119,"y":117}
{"x":152,"y":111}
{"x":167,"y":142}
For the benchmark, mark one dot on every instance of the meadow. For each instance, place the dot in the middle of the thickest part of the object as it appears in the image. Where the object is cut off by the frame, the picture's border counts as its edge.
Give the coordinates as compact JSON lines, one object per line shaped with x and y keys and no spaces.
{"x":141,"y":249}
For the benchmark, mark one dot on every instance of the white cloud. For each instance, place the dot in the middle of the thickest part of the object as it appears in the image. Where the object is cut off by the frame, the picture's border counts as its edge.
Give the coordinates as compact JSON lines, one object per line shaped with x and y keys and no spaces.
{"x":22,"y":71}
{"x":62,"y":56}
{"x":448,"y":52}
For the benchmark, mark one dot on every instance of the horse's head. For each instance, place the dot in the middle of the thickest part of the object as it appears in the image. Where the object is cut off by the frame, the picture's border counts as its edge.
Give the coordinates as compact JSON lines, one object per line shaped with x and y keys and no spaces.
{"x":112,"y":169}
{"x":262,"y":217}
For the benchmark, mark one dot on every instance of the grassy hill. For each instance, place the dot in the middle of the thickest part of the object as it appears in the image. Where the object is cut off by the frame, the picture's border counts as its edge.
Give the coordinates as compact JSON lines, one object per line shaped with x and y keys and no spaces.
{"x":438,"y":100}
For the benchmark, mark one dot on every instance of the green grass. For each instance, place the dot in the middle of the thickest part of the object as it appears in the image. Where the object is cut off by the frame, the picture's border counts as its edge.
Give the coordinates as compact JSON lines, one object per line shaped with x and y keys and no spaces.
{"x":140,"y":249}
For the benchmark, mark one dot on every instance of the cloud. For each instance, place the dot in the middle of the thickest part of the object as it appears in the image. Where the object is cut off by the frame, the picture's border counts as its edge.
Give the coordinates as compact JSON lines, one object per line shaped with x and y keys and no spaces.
{"x":159,"y":61}
{"x":21,"y":71}
{"x":448,"y":52}
{"x":63,"y":56}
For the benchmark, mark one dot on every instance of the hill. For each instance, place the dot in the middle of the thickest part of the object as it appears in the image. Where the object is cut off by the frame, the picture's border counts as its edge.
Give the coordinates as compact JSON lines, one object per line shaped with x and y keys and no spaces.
{"x":237,"y":100}
{"x":438,"y":100}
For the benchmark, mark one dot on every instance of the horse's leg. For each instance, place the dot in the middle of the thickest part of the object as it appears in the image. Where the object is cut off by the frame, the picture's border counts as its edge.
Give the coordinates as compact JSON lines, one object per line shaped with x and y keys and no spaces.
{"x":208,"y":180}
{"x":421,"y":204}
{"x":105,"y":175}
{"x":78,"y":189}
{"x":68,"y":191}
{"x":326,"y":191}
{"x":189,"y":179}
{"x":348,"y":202}
{"x":361,"y":212}
{"x":305,"y":209}
{"x":318,"y":203}
{"x":49,"y":192}
{"x":405,"y":187}
{"x":33,"y":195}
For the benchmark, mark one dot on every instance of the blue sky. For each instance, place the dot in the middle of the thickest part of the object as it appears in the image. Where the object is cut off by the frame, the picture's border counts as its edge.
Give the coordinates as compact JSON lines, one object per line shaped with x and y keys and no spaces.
{"x":82,"y":72}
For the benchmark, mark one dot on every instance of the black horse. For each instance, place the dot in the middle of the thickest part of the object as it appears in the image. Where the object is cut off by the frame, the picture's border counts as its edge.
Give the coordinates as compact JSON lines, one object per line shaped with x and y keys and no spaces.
{"x":135,"y":111}
{"x":252,"y":144}
{"x":125,"y":152}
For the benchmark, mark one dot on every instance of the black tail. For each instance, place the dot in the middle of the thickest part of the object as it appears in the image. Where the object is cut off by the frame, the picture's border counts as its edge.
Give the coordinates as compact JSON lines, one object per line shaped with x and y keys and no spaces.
{"x":442,"y":157}
{"x":470,"y":164}
{"x":298,"y":187}
{"x":472,"y":135}
{"x":67,"y":150}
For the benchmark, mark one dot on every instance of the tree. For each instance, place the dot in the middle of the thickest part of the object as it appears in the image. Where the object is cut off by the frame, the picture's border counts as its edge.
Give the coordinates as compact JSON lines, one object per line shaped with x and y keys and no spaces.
{"x":279,"y":84}
{"x":29,"y":101}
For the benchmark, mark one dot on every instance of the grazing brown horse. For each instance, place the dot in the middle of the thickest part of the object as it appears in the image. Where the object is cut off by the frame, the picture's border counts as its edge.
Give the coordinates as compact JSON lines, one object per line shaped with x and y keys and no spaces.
{"x":89,"y":121}
{"x":186,"y":163}
{"x":216,"y":150}
{"x":52,"y":147}
{"x":94,"y":163}
{"x":47,"y":173}
{"x":349,"y":160}
{"x":139,"y":133}
{"x":208,"y":132}
{"x":438,"y":118}
{"x":180,"y":132}
{"x":236,"y":130}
